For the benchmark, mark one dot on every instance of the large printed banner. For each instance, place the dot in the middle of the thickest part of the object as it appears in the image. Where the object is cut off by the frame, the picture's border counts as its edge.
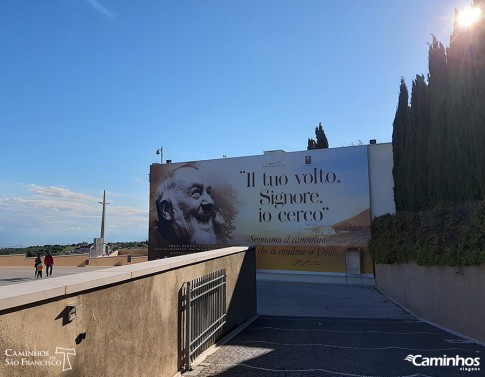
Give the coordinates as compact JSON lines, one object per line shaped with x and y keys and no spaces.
{"x":301,"y":209}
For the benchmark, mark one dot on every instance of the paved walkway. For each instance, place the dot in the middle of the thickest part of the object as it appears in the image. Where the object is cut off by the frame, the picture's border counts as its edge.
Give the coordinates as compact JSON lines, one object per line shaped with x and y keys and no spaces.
{"x":325,"y":300}
{"x":312,"y":330}
{"x":14,"y":275}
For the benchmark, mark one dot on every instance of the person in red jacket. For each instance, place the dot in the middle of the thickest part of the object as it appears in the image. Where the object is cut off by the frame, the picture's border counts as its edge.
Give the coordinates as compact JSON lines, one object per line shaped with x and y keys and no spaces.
{"x":49,"y":263}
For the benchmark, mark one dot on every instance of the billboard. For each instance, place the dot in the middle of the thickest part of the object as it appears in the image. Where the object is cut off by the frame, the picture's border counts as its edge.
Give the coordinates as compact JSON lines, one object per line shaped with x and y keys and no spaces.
{"x":302,"y":210}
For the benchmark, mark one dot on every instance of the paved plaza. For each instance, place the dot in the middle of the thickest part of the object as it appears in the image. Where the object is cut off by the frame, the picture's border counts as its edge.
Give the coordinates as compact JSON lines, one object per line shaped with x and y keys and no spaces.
{"x":320,"y":330}
{"x":15,"y":275}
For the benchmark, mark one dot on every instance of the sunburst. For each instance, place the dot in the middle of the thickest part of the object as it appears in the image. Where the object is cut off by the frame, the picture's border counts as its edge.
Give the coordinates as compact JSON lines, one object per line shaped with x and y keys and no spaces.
{"x":469,"y":16}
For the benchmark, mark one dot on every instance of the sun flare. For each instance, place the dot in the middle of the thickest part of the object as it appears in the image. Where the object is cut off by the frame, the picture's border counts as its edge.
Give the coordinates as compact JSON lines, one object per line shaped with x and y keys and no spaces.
{"x":469,"y":16}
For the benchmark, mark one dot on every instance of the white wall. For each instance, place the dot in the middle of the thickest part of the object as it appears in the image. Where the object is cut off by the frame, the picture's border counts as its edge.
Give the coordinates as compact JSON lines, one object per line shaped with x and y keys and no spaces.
{"x":381,"y":181}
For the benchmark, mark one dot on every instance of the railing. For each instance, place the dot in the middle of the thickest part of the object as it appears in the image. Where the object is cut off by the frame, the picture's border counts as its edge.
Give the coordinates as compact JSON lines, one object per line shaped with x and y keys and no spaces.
{"x":205,"y":313}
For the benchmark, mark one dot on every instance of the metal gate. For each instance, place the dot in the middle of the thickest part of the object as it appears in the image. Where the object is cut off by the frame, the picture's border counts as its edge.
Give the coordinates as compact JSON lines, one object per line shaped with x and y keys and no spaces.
{"x":205,"y":313}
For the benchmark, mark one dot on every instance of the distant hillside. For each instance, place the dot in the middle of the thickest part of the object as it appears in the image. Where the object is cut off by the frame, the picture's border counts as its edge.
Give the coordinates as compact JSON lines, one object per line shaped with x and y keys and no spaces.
{"x":360,"y":221}
{"x":32,"y":251}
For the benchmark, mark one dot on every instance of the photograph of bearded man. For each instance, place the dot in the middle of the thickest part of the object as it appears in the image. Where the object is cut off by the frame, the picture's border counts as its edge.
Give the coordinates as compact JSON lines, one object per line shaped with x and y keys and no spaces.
{"x":185,"y":207}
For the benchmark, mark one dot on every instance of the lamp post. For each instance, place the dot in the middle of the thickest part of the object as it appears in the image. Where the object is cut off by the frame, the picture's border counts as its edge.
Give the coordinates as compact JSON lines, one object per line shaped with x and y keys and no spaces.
{"x":160,"y":152}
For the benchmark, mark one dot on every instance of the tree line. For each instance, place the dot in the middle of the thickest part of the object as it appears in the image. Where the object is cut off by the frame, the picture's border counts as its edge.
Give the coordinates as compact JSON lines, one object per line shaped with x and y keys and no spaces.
{"x":439,"y":129}
{"x":33,"y":251}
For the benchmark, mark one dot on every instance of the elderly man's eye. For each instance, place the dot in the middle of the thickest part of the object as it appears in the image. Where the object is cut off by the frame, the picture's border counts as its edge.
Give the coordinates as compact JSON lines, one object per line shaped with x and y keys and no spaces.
{"x":209,"y":190}
{"x":195,"y":193}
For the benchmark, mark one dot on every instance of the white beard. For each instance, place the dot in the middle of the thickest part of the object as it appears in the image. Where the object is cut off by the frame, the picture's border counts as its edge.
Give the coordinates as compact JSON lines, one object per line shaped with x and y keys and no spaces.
{"x":190,"y":230}
{"x":202,"y":233}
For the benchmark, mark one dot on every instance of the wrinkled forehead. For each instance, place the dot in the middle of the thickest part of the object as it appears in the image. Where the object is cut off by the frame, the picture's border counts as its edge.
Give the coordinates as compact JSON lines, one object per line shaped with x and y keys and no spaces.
{"x":187,"y":177}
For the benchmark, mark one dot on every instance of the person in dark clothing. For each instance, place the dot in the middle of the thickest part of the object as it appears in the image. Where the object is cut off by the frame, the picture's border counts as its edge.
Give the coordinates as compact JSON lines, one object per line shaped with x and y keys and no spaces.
{"x":49,"y":263}
{"x":36,"y":263}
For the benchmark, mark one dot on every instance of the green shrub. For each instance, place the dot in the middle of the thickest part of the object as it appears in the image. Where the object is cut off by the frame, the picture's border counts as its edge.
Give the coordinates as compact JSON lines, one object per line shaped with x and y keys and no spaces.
{"x":452,"y":235}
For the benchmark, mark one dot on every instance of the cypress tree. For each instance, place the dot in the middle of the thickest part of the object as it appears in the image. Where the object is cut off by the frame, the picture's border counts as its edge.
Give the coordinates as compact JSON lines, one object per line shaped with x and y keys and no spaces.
{"x":457,"y":120}
{"x":321,"y":142}
{"x":420,"y":125}
{"x":439,"y":139}
{"x":465,"y":102}
{"x":479,"y":101}
{"x":399,"y":147}
{"x":311,"y":144}
{"x":436,"y":155}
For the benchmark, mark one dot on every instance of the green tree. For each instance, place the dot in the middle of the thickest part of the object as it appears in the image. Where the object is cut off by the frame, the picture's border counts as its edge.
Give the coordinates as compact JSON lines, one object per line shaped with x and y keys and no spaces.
{"x":438,"y":110}
{"x":321,"y":139}
{"x":438,"y":140}
{"x":420,"y":124}
{"x":466,"y":103}
{"x":399,"y":146}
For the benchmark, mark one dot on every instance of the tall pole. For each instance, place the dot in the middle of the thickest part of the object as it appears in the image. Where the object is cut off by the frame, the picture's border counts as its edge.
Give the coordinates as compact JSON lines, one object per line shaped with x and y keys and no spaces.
{"x":160,"y":152}
{"x":104,"y":213}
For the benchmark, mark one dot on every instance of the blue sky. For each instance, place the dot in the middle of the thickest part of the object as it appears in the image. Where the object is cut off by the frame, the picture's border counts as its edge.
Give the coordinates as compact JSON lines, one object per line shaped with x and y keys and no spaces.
{"x":90,"y":89}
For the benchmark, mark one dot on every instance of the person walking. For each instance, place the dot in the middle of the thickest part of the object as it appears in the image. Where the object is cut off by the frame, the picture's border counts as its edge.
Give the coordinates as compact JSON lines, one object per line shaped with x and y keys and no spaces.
{"x":39,"y":268}
{"x":49,"y":263}
{"x":36,"y":263}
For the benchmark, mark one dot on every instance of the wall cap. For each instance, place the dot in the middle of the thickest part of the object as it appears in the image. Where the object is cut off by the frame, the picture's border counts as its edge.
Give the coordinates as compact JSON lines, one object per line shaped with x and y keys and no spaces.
{"x":27,"y":293}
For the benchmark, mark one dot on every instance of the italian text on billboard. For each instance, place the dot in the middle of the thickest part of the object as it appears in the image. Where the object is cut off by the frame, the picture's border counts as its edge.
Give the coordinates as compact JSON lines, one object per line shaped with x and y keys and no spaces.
{"x":301,"y":209}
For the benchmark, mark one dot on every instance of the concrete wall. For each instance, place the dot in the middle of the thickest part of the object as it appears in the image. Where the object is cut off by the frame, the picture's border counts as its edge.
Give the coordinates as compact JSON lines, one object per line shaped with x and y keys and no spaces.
{"x":447,"y":296}
{"x":129,"y":315}
{"x":133,"y":251}
{"x":119,"y":260}
{"x":381,"y":181}
{"x":139,"y":259}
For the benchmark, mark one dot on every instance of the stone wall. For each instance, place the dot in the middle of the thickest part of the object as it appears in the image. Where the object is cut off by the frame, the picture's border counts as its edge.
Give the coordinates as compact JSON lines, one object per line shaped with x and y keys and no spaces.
{"x":450,"y":297}
{"x":127,"y":320}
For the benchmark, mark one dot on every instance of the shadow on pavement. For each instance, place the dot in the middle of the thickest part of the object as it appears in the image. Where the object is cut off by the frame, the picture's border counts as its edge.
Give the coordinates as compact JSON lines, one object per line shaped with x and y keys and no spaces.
{"x":296,"y":346}
{"x":330,"y":330}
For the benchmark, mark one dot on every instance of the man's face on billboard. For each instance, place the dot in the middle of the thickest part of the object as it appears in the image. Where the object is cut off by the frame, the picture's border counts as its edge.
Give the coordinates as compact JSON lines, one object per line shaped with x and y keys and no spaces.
{"x":193,"y":196}
{"x":187,"y":208}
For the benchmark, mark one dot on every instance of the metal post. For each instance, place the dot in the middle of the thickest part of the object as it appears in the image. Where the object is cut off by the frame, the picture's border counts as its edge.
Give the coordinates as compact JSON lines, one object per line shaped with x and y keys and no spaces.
{"x":187,"y":325}
{"x":160,"y":152}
